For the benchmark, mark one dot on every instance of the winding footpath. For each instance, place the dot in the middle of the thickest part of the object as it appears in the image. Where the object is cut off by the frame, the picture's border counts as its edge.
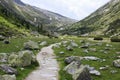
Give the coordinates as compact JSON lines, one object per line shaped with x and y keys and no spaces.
{"x":48,"y":69}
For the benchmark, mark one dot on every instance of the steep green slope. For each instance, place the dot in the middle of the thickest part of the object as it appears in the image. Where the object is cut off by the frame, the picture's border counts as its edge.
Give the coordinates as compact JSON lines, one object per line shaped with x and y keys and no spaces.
{"x":104,"y":21}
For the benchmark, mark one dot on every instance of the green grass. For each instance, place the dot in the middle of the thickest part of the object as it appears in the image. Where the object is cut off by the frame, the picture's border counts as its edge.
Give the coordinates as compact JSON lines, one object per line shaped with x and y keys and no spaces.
{"x":105,"y":74}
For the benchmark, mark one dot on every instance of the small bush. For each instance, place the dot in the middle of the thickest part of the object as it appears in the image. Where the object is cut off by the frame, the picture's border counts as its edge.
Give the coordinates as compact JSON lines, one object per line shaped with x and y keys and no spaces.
{"x":115,"y":39}
{"x":98,"y":38}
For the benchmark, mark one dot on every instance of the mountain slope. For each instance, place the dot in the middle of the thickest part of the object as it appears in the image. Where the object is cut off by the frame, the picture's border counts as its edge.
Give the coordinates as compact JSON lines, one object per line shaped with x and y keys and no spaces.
{"x":28,"y":17}
{"x":104,"y":21}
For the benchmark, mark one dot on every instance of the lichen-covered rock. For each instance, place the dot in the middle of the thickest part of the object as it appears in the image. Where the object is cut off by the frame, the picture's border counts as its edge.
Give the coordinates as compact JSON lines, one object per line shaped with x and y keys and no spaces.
{"x":3,"y":57}
{"x":82,"y":74}
{"x":8,"y":77}
{"x":31,"y":45}
{"x":72,"y":67}
{"x":14,"y":60}
{"x":69,"y":48}
{"x":24,"y":58}
{"x":44,"y":43}
{"x":8,"y":70}
{"x":116,"y":63}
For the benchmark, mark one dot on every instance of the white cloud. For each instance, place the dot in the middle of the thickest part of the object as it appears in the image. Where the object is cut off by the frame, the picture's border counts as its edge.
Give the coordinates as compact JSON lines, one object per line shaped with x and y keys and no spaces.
{"x":77,"y":9}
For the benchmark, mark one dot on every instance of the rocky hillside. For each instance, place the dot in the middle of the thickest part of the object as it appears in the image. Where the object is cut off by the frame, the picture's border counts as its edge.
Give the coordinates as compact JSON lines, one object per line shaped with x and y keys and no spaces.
{"x":24,"y":16}
{"x":104,"y":21}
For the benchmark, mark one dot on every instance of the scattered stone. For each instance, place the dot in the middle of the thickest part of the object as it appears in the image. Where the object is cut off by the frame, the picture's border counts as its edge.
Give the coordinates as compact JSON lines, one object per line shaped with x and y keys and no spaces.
{"x":99,"y":44}
{"x":116,"y":63}
{"x":2,"y":38}
{"x":117,"y":52}
{"x":105,"y":52}
{"x":108,"y":45}
{"x":85,"y":46}
{"x":31,"y":45}
{"x":106,"y":48}
{"x":68,"y":60}
{"x":69,"y":48}
{"x":8,"y":77}
{"x":95,"y":72}
{"x":92,"y":49}
{"x":82,"y":74}
{"x":8,"y":70}
{"x":91,"y":58}
{"x":118,"y":57}
{"x":85,"y":51}
{"x":82,"y":41}
{"x":6,"y":42}
{"x":61,"y":52}
{"x":73,"y":44}
{"x":3,"y":57}
{"x":104,"y":67}
{"x":113,"y":71}
{"x":44,"y":43}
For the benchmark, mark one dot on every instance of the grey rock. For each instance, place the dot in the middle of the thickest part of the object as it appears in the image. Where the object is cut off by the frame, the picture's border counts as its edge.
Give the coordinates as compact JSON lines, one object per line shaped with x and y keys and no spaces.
{"x":72,"y":67}
{"x":61,"y":52}
{"x":73,"y":44}
{"x":2,"y":38}
{"x":8,"y":70}
{"x":95,"y":72}
{"x":6,"y":42}
{"x":44,"y":43}
{"x":104,"y":67}
{"x":24,"y":58}
{"x":92,"y":49}
{"x":8,"y":77}
{"x":117,"y":52}
{"x":91,"y":58}
{"x":85,"y":46}
{"x":85,"y":51}
{"x":69,"y":48}
{"x":116,"y":63}
{"x":70,"y":59}
{"x":82,"y":74}
{"x":113,"y":71}
{"x":3,"y":57}
{"x":31,"y":45}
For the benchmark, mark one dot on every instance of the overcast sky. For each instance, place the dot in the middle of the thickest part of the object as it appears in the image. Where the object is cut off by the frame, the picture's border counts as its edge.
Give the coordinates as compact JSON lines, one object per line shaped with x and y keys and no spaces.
{"x":76,"y":9}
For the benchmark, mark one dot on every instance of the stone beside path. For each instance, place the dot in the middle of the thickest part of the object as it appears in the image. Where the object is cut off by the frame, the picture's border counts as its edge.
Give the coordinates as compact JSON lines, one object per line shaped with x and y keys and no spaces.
{"x":48,"y":69}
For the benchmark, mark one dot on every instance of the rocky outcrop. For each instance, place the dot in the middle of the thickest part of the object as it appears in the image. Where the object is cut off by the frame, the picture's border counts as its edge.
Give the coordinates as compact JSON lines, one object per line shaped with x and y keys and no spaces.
{"x":82,"y":74}
{"x":24,"y":58}
{"x":31,"y":45}
{"x":7,"y":77}
{"x":8,"y":70}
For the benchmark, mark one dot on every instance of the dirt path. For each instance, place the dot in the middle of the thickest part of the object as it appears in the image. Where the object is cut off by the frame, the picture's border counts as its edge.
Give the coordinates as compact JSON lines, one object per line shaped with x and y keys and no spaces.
{"x":48,"y":69}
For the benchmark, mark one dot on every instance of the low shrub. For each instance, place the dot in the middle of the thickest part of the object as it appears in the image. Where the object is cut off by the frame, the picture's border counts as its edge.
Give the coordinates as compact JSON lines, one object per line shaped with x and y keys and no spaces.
{"x":98,"y":38}
{"x":115,"y":39}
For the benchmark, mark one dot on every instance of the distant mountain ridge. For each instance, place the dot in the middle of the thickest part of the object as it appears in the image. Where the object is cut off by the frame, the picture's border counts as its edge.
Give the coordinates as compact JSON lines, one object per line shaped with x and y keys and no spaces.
{"x":104,"y":21}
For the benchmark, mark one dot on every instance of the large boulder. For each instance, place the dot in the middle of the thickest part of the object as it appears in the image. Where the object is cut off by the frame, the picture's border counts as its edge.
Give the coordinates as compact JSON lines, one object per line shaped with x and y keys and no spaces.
{"x":8,"y":70}
{"x":82,"y":74}
{"x":3,"y":57}
{"x":8,"y":77}
{"x":24,"y":58}
{"x":72,"y":67}
{"x":116,"y":63}
{"x":31,"y":45}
